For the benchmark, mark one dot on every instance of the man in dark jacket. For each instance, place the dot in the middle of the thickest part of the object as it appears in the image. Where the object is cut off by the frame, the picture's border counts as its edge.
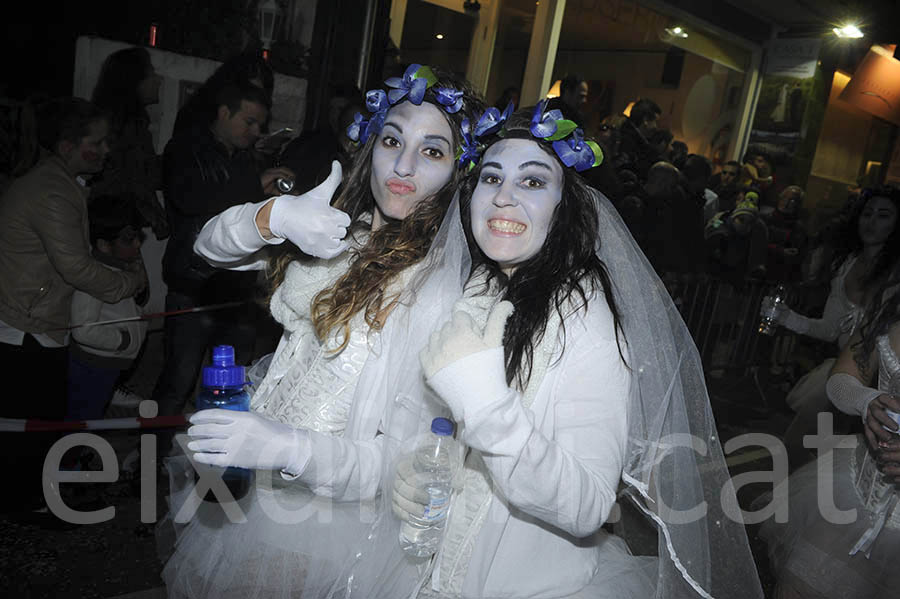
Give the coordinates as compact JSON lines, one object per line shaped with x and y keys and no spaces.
{"x":207,"y":169}
{"x":635,"y":131}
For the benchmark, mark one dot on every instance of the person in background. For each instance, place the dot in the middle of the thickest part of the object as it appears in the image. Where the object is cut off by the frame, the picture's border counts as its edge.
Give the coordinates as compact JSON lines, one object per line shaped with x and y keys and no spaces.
{"x":99,"y":354}
{"x":845,"y":544}
{"x":868,"y":246}
{"x":661,"y":143}
{"x":673,"y":225}
{"x":509,"y":95}
{"x":678,"y":153}
{"x":201,"y":109}
{"x":128,"y":84}
{"x":311,"y":153}
{"x":642,"y":122}
{"x":787,"y":236}
{"x":736,"y":242}
{"x":725,"y":184}
{"x":45,"y":256}
{"x":573,"y":95}
{"x":205,"y":171}
{"x":756,"y":171}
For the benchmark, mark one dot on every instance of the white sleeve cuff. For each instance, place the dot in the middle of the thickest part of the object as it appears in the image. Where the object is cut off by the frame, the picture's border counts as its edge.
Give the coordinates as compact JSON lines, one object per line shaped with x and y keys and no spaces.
{"x":300,"y":457}
{"x":273,"y":240}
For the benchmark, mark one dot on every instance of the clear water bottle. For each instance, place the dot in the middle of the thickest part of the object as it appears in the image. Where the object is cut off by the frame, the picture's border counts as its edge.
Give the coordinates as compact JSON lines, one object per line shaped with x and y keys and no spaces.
{"x":222,"y":386}
{"x":434,"y":463}
{"x":769,"y":321}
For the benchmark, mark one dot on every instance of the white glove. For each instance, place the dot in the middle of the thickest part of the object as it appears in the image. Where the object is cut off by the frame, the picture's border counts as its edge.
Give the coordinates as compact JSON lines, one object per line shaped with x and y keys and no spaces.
{"x":309,"y":221}
{"x":247,"y":440}
{"x":458,"y":346}
{"x":408,"y":501}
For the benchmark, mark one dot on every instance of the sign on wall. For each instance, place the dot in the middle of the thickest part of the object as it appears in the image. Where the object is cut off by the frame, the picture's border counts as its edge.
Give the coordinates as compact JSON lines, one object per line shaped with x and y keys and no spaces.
{"x":875,"y":86}
{"x":795,"y":58}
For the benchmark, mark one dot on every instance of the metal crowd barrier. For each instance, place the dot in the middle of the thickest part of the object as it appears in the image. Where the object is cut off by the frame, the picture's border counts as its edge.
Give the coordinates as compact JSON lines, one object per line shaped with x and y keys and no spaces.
{"x":723,"y":318}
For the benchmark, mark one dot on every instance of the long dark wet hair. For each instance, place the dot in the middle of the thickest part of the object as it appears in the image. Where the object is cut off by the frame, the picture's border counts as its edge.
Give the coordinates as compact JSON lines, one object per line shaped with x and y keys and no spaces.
{"x":849,"y":241}
{"x":563,"y":276}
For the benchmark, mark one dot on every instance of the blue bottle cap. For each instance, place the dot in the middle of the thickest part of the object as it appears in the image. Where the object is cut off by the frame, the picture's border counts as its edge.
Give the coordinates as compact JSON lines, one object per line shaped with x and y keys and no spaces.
{"x":223,"y":372}
{"x":442,"y":427}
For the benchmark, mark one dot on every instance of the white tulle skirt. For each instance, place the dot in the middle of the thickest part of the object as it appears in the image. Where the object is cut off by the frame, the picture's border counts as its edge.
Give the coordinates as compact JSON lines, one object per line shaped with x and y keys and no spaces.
{"x":811,"y":555}
{"x":290,"y":544}
{"x":295,"y":544}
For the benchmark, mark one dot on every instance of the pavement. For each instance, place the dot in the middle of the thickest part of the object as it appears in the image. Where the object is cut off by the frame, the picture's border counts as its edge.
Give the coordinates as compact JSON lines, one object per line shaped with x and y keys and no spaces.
{"x":41,"y":557}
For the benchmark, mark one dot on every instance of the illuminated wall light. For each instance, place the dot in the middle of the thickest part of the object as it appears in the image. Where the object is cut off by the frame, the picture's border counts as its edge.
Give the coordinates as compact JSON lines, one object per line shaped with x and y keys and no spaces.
{"x":554,"y":90}
{"x":848,"y":31}
{"x":153,"y":31}
{"x":439,"y":36}
{"x":676,"y":32}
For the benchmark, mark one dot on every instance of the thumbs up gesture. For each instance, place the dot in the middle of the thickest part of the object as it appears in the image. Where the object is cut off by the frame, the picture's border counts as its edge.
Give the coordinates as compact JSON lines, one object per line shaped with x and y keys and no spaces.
{"x":309,"y":221}
{"x":466,"y":366}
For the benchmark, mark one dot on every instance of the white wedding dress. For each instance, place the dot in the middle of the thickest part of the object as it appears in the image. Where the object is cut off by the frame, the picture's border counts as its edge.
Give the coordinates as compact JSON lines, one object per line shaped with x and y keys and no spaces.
{"x":811,"y":553}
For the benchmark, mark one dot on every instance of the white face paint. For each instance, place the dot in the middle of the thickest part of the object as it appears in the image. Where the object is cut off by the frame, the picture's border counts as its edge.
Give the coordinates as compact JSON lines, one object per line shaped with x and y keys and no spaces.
{"x":513,"y":204}
{"x":413,"y":158}
{"x":877,"y":221}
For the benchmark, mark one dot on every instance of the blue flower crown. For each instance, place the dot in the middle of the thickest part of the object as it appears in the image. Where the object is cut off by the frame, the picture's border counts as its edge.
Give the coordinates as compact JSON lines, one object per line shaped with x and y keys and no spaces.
{"x":411,"y":86}
{"x":567,"y":138}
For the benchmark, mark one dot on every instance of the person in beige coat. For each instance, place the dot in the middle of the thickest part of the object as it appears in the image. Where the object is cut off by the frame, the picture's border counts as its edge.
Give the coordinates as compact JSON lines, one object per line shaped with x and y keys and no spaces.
{"x":45,"y":255}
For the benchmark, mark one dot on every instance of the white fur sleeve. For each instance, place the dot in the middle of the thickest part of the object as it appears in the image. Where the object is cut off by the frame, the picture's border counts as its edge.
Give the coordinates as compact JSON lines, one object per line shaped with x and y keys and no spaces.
{"x":231,"y":240}
{"x":567,"y":477}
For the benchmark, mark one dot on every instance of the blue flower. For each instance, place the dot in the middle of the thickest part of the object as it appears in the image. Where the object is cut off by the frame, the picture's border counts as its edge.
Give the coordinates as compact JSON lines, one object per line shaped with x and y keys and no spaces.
{"x":375,"y":124}
{"x":377,"y":100}
{"x":357,"y":127}
{"x":544,"y":124}
{"x":491,"y":121}
{"x":409,"y":86}
{"x":470,"y":150}
{"x":572,"y":151}
{"x":449,"y":98}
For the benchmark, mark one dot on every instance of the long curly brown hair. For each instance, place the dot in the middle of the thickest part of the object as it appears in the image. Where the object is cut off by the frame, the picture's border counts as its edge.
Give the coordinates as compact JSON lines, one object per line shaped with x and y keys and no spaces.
{"x":393,"y":247}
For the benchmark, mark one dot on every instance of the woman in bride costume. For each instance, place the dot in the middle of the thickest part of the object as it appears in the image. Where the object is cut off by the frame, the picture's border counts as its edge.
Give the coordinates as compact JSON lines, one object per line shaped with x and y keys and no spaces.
{"x":846,"y":546}
{"x":573,"y":381}
{"x":317,"y":418}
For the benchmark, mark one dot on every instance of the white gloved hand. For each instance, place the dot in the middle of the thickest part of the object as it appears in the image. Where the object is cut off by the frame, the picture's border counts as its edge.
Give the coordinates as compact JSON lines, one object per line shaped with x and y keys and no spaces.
{"x":466,"y":367}
{"x":247,"y":440}
{"x":309,"y":221}
{"x":408,"y":501}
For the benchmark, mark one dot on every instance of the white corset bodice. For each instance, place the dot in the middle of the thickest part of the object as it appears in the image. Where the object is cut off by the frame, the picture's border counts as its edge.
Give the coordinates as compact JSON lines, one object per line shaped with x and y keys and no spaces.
{"x":309,"y":385}
{"x":877,"y":494}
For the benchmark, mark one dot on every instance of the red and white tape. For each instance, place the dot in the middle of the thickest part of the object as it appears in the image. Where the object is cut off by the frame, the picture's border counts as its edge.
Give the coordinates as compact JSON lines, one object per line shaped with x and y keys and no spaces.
{"x":14,"y":425}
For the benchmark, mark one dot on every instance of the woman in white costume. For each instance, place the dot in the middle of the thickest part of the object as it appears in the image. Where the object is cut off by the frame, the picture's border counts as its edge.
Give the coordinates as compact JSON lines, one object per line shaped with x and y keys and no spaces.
{"x":317,"y":418}
{"x":842,"y":534}
{"x":871,"y":244}
{"x":572,"y":378}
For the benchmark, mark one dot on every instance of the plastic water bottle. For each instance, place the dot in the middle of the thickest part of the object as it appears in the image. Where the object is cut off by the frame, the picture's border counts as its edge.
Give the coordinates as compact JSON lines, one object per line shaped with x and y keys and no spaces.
{"x":222,"y":386}
{"x":434,"y":463}
{"x":769,"y":321}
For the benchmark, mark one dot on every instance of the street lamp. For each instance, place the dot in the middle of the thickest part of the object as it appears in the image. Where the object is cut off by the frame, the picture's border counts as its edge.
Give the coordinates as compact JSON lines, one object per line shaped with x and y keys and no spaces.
{"x":269,"y":13}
